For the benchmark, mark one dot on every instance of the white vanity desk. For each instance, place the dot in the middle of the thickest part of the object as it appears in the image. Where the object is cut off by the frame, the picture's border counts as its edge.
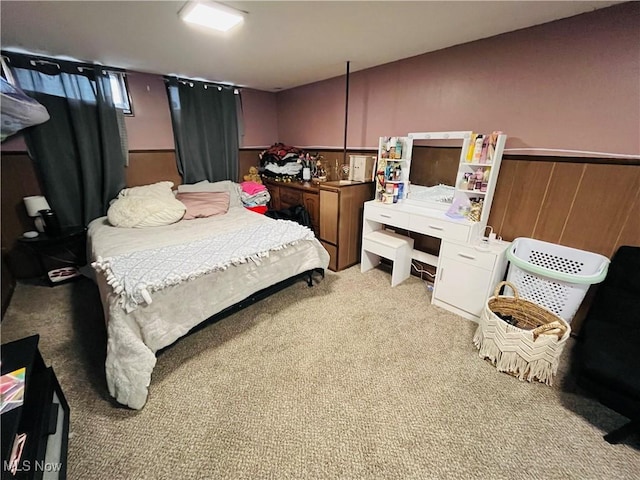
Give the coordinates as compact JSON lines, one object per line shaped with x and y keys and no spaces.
{"x":466,"y":273}
{"x":419,"y":219}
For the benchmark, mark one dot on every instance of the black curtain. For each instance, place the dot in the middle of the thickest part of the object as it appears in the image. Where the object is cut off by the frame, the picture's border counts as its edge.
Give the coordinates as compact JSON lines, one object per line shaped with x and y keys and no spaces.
{"x":205,"y":128}
{"x":77,"y":153}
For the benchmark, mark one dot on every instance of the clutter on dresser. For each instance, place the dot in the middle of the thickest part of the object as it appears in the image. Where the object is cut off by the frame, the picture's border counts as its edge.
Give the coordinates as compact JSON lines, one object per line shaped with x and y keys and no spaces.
{"x":280,"y":162}
{"x":285,"y":163}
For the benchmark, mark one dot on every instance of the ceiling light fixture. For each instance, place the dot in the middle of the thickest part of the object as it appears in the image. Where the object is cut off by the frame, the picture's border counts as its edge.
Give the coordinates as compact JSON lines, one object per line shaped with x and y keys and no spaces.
{"x":211,"y":15}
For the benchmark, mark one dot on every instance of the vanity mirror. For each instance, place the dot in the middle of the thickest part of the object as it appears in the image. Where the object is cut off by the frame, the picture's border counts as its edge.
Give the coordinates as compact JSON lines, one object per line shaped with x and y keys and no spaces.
{"x":458,"y":165}
{"x":433,"y":171}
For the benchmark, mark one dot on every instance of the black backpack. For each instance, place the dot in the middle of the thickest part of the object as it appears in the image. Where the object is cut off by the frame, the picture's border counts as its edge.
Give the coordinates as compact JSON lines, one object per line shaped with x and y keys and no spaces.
{"x":297,"y":213}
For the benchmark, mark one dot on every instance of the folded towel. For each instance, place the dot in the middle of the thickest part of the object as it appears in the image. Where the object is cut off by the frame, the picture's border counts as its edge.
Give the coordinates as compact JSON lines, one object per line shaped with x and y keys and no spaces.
{"x":252,"y":187}
{"x":260,"y":198}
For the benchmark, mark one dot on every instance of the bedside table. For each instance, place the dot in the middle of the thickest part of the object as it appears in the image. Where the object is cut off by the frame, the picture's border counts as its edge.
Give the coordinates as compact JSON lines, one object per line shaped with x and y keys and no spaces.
{"x":58,"y":255}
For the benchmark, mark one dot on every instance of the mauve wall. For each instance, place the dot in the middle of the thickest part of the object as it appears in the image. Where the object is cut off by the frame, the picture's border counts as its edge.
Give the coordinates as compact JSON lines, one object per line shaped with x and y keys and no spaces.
{"x":150,"y":127}
{"x":570,"y":84}
{"x":260,"y":118}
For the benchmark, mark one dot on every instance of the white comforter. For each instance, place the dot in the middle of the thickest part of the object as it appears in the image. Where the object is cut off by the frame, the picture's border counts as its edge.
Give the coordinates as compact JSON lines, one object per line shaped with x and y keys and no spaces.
{"x":134,"y":337}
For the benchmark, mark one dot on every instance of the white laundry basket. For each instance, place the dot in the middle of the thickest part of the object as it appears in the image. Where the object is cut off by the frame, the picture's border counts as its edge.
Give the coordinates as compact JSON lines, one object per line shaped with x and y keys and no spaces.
{"x":554,"y":276}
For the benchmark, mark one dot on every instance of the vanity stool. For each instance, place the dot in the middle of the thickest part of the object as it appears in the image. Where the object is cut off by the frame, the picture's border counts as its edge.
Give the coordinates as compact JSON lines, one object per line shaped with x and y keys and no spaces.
{"x":389,"y":245}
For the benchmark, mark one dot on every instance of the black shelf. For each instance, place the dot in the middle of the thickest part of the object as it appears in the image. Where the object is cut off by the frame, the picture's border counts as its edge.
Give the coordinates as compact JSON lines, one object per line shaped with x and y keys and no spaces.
{"x":43,"y":415}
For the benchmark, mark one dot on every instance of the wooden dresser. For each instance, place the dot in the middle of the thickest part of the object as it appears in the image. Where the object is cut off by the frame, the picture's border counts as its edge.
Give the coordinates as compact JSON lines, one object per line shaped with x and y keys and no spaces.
{"x":289,"y":194}
{"x":341,"y":210}
{"x":336,"y":210}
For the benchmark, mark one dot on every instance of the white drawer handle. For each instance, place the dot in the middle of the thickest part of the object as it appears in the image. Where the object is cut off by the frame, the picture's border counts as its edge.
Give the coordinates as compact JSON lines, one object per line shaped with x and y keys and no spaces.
{"x":464,"y":255}
{"x":435,"y":227}
{"x":385,"y":216}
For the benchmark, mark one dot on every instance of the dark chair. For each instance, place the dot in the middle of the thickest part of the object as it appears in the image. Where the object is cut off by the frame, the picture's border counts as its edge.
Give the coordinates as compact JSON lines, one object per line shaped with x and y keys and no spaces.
{"x":608,"y":351}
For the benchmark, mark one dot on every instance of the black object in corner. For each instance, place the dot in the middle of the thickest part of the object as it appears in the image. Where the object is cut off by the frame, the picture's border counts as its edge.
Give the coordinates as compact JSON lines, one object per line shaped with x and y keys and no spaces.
{"x":43,"y":416}
{"x":297,"y":213}
{"x":608,"y":361}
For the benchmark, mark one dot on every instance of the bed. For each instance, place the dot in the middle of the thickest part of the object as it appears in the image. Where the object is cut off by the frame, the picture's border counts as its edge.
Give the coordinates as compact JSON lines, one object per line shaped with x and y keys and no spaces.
{"x":158,"y":283}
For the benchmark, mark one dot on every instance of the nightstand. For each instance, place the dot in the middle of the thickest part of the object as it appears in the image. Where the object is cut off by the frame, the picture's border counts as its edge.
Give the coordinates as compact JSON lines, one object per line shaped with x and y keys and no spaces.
{"x":59,"y":256}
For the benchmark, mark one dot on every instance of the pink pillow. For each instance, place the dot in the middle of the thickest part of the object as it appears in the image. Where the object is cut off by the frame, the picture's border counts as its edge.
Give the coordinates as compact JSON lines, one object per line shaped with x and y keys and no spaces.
{"x":204,"y":204}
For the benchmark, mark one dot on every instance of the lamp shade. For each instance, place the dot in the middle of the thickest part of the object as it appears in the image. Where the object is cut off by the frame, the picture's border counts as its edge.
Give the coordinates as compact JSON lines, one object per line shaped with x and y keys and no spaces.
{"x":34,"y":204}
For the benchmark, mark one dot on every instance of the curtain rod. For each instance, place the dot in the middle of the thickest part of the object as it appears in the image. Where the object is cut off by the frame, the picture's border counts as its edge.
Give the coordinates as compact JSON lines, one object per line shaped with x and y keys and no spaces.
{"x":205,"y":83}
{"x":56,"y":62}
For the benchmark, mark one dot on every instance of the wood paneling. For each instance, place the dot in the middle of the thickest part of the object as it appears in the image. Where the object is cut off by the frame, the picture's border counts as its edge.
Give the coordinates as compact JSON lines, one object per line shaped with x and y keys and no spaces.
{"x":591,"y":204}
{"x":561,"y":191}
{"x":600,"y":210}
{"x":18,"y":180}
{"x":247,"y":158}
{"x":502,"y":195}
{"x":525,"y":202}
{"x":583,"y":205}
{"x":147,"y":167}
{"x":630,"y":233}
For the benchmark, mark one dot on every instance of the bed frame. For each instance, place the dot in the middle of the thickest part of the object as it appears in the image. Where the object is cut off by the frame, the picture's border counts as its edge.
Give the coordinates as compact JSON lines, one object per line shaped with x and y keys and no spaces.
{"x":250,"y":300}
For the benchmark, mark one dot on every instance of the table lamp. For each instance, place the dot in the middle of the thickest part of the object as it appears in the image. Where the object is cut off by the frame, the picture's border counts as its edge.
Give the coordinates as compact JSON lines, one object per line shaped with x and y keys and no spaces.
{"x":33,"y":205}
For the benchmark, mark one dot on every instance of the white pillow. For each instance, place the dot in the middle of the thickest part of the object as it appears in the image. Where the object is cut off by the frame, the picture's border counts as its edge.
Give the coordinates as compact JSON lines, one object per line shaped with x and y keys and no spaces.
{"x":140,"y":211}
{"x":159,"y":189}
{"x":233,"y":188}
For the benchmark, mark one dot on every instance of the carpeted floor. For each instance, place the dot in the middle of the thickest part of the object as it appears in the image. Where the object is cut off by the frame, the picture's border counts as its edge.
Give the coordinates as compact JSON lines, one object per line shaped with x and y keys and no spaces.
{"x":350,"y":379}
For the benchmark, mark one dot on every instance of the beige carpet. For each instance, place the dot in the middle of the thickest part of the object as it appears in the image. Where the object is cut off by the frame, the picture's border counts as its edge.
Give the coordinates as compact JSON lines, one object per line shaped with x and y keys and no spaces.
{"x":349,"y":379}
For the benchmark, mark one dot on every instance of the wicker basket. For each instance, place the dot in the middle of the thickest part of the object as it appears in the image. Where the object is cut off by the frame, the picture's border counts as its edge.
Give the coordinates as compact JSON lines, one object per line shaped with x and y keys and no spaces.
{"x":526,"y":315}
{"x":530,"y":347}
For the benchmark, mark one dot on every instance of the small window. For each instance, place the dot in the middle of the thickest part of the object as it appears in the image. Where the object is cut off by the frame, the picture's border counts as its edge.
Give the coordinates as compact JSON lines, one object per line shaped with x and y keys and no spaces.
{"x":120,"y":91}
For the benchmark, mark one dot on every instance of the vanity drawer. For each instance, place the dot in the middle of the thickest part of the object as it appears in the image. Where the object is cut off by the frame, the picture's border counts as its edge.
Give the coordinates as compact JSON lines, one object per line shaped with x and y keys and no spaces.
{"x":435,"y":227}
{"x":386,"y":215}
{"x":468,"y":254}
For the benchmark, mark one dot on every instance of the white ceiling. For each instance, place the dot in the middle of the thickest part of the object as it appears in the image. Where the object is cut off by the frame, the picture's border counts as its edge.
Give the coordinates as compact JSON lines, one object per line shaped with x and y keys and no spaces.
{"x":282,"y":44}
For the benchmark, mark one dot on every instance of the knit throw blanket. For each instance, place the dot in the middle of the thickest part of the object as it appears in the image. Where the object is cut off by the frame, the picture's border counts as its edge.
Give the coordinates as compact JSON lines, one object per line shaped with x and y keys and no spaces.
{"x":134,"y":276}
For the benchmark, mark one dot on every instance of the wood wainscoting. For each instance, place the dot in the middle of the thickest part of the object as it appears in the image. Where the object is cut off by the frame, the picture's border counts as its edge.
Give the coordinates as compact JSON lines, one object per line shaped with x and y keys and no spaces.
{"x":151,"y":166}
{"x":588,"y":204}
{"x":585,"y":203}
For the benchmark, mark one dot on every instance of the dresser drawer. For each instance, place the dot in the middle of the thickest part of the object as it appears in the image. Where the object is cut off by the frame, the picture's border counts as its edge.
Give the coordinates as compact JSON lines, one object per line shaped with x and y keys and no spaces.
{"x":290,"y":197}
{"x":469,"y":255}
{"x":435,"y":227}
{"x":388,"y":216}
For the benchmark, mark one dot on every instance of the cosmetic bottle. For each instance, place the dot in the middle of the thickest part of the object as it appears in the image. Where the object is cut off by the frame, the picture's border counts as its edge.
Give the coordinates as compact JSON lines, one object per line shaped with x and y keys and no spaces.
{"x":477,"y":149}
